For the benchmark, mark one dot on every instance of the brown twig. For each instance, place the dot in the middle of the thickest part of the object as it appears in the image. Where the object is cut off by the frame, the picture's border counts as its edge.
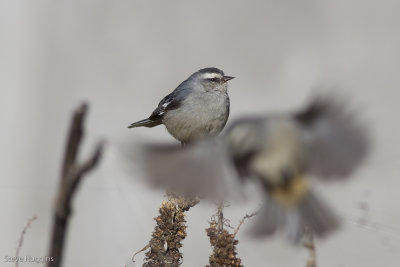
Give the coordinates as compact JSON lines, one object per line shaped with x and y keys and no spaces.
{"x":220,"y":216}
{"x":309,"y":244}
{"x":143,"y":249}
{"x":247,"y":216}
{"x":21,"y":239}
{"x":71,"y":176}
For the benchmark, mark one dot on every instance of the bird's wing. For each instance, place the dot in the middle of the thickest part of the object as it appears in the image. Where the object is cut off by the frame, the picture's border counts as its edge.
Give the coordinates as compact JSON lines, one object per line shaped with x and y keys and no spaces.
{"x":200,"y":169}
{"x":334,"y":140}
{"x":172,"y":101}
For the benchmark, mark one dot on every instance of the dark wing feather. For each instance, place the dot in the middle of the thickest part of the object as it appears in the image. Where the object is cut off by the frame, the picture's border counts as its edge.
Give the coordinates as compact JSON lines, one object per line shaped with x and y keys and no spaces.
{"x":172,"y":101}
{"x":163,"y":106}
{"x":334,"y":139}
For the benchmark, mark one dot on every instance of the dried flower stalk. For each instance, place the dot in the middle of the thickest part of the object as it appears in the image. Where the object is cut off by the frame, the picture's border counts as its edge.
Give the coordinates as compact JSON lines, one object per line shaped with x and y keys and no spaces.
{"x":224,"y":244}
{"x":169,"y":232}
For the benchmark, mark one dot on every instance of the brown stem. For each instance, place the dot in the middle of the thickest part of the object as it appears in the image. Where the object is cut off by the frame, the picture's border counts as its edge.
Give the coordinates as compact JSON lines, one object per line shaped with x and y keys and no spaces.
{"x":309,"y":244}
{"x":21,"y":239}
{"x":71,"y":176}
{"x":247,"y":216}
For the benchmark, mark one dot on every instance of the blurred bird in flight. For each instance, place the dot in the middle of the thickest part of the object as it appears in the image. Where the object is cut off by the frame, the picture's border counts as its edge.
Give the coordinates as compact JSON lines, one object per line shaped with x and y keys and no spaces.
{"x":281,"y":153}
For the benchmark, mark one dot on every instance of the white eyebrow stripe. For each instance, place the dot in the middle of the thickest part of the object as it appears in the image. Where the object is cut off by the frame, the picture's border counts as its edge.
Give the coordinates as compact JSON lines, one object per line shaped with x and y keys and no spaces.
{"x":211,"y":75}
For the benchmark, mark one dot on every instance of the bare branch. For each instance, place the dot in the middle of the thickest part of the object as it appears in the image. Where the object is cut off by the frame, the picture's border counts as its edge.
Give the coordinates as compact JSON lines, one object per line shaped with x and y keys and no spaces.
{"x":78,"y":171}
{"x":247,"y":216}
{"x":71,"y":176}
{"x":21,"y":238}
{"x":74,"y":138}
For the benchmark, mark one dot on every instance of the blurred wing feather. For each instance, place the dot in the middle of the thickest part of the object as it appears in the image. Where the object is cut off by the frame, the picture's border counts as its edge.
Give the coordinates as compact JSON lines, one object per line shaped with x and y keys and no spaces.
{"x":334,"y":140}
{"x":200,"y":169}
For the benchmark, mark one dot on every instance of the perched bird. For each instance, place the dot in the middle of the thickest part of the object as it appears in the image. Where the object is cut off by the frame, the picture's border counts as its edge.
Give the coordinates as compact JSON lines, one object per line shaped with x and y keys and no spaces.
{"x":280,"y":153}
{"x":198,"y":107}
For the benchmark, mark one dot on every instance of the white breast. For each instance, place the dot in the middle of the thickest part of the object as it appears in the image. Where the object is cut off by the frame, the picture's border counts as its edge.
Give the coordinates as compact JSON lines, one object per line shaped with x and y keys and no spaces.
{"x":198,"y":116}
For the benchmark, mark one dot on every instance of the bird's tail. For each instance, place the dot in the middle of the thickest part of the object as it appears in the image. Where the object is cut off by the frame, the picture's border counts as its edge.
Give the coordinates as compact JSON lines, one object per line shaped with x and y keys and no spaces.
{"x":317,"y":216}
{"x":146,"y":123}
{"x":308,"y":213}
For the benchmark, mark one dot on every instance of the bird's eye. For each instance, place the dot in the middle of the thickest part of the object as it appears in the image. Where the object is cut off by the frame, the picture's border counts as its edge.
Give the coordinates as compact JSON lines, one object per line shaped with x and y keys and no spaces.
{"x":213,"y":79}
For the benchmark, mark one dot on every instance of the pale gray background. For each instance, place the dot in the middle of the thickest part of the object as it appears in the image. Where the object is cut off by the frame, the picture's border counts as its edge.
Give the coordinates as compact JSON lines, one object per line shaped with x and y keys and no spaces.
{"x":124,"y":56}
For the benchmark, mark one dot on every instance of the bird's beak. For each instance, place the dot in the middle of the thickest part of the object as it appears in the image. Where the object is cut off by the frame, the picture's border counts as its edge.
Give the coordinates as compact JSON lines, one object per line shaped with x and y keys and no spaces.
{"x":227,"y":78}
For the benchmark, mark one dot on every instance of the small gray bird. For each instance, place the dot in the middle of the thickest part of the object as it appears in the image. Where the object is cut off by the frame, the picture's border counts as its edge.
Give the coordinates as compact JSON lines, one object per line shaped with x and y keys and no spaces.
{"x":198,"y":107}
{"x":277,"y":152}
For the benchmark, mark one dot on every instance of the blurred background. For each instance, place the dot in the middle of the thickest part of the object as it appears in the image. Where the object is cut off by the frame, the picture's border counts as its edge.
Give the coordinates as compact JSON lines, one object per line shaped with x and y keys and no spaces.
{"x":124,"y":56}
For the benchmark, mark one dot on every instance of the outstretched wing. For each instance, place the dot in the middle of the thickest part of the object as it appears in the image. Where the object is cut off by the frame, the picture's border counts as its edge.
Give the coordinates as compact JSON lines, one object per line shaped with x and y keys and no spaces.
{"x":201,"y":169}
{"x":334,"y":139}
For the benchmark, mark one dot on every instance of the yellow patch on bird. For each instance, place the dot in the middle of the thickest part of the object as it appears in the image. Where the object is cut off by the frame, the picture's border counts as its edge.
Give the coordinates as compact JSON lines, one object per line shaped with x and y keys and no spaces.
{"x":291,"y":194}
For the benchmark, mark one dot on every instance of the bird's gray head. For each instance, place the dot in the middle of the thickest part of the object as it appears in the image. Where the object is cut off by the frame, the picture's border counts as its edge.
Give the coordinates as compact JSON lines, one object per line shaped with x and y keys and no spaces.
{"x":211,"y":79}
